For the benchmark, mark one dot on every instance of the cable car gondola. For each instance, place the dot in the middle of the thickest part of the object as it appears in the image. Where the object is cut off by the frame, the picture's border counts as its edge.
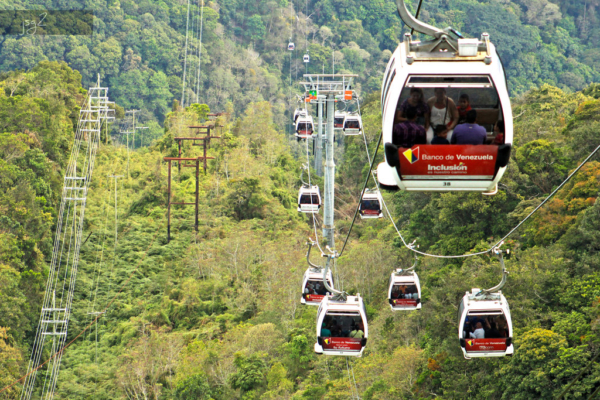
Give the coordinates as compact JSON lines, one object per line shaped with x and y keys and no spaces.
{"x":338,"y":120}
{"x":485,"y":326}
{"x":342,"y":327}
{"x":298,"y":112}
{"x":304,"y":127}
{"x":404,"y":291}
{"x":313,"y":289}
{"x":371,"y":205}
{"x":291,"y":46}
{"x":309,"y":199}
{"x":306,"y":58}
{"x":459,"y":67}
{"x":352,"y":124}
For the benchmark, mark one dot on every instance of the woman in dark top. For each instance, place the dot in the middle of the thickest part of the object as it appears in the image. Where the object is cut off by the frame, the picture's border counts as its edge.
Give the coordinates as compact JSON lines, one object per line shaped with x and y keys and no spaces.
{"x":416,"y":102}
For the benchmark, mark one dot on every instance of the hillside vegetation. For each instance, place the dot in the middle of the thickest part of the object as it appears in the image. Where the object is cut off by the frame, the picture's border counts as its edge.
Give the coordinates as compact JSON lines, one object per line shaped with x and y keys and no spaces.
{"x":138,"y":47}
{"x":217,"y":314}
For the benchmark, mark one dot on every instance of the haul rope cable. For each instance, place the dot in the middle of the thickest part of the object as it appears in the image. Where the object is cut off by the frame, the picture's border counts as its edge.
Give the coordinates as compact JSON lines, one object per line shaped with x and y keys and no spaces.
{"x":91,"y":323}
{"x":413,"y":248}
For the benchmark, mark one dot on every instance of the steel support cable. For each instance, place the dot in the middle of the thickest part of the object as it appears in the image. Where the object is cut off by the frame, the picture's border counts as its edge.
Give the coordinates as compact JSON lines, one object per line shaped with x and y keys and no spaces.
{"x":187,"y":24}
{"x":550,"y":195}
{"x":412,"y":30}
{"x":361,"y":195}
{"x":91,"y":323}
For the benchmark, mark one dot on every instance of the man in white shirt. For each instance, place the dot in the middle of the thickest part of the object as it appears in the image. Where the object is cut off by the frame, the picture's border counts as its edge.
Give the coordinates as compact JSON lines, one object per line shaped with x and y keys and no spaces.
{"x":479,"y":332}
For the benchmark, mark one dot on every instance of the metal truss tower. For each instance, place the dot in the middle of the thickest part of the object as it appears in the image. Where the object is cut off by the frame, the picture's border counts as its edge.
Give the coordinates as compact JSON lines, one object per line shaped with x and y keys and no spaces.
{"x":51,"y":333}
{"x":327,"y":88}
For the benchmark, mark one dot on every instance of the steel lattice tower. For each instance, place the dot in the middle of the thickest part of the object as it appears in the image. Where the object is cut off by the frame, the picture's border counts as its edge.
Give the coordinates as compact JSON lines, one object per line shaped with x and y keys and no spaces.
{"x":56,"y":308}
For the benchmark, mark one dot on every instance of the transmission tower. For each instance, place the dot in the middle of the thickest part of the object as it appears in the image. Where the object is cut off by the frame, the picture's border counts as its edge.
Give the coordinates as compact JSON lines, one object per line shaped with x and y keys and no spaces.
{"x":51,"y":334}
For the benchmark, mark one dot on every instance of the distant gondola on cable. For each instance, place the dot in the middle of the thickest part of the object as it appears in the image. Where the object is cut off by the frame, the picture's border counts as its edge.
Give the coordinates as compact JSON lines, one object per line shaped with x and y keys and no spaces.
{"x":298,"y":112}
{"x":304,"y":127}
{"x":447,"y":70}
{"x":404,"y":290}
{"x":484,"y":322}
{"x":309,"y":199}
{"x":352,"y":124}
{"x":342,"y":327}
{"x":371,"y":205}
{"x":291,"y":46}
{"x":313,"y":288}
{"x":338,"y":120}
{"x":306,"y":58}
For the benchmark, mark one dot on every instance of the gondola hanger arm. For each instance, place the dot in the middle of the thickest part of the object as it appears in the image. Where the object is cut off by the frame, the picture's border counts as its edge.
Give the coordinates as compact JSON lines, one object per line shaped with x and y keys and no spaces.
{"x":415,"y":24}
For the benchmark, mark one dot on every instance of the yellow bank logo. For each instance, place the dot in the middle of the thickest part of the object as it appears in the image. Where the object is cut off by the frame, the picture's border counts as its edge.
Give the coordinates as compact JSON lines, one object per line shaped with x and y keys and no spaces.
{"x":412,"y":155}
{"x":327,"y":341}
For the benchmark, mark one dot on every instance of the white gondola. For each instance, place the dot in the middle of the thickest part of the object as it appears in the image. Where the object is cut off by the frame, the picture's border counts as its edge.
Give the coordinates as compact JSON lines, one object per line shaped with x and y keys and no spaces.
{"x":304,"y":127}
{"x":298,"y":112}
{"x":490,"y":309}
{"x":352,"y":124}
{"x":404,"y":290}
{"x":371,"y":205}
{"x":459,"y":66}
{"x":342,"y":328}
{"x":313,"y":288}
{"x":309,"y":199}
{"x":306,"y":58}
{"x":338,"y":120}
{"x":291,"y":46}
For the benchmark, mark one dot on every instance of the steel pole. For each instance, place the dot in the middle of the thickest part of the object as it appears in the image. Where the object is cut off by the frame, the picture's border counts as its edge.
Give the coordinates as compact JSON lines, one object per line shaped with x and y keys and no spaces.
{"x":328,"y":226}
{"x":319,"y":149}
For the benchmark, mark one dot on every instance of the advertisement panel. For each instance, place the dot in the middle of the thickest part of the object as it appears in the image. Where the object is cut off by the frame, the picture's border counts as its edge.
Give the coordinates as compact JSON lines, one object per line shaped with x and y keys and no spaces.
{"x":485,"y":345}
{"x":313,"y":298}
{"x":341,"y":343}
{"x":405,"y":302}
{"x":453,"y":162}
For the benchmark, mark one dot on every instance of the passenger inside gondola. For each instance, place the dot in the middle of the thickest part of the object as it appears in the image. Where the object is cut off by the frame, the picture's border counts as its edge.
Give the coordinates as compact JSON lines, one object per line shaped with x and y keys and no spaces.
{"x":371,"y":205}
{"x":305,"y":128}
{"x":315,"y":287}
{"x":475,"y":93}
{"x":352,"y":124}
{"x":309,"y":199}
{"x":415,"y":102}
{"x":485,"y":327}
{"x":343,"y":325}
{"x":408,"y":133}
{"x":470,"y":132}
{"x":499,"y":132}
{"x":407,"y":291}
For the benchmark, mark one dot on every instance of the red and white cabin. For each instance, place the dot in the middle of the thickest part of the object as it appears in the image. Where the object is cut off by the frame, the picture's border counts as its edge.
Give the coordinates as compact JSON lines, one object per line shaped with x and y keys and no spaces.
{"x":313,"y":289}
{"x":371,"y":205}
{"x":337,"y":320}
{"x":404,"y":291}
{"x":426,"y":167}
{"x":304,"y":127}
{"x":475,"y":308}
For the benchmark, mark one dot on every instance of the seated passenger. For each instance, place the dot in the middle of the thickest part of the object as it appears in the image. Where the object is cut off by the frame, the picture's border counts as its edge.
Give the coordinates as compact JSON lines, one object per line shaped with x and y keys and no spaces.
{"x":464,"y":106}
{"x":336,"y":330}
{"x":353,"y":124}
{"x":490,"y":328}
{"x":408,"y":133}
{"x":479,"y":333}
{"x":469,"y":132}
{"x":417,"y":103}
{"x":440,"y":139}
{"x":443,"y":114}
{"x":324,"y":331}
{"x":499,"y":132}
{"x":357,"y":331}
